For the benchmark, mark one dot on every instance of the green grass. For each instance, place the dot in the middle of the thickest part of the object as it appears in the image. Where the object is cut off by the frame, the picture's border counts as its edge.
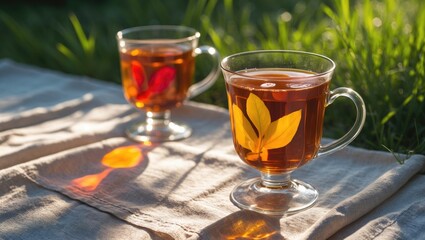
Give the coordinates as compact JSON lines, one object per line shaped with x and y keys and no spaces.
{"x":379,"y":48}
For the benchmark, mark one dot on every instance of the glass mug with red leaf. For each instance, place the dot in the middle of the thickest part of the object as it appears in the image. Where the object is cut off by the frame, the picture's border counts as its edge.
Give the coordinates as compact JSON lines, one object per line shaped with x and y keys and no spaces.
{"x":157,"y":69}
{"x":277,"y":102}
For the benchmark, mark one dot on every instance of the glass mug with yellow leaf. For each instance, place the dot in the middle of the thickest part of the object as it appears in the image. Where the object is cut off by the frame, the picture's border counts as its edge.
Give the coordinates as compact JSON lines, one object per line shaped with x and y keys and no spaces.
{"x":277,"y":102}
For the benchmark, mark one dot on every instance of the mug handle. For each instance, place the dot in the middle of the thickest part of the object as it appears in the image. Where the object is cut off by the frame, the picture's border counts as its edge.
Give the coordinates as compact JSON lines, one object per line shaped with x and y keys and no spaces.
{"x":355,"y":129}
{"x":211,"y":78}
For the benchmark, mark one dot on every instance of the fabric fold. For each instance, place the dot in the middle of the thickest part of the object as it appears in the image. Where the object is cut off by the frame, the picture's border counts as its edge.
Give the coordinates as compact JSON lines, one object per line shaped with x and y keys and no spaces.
{"x":366,"y":200}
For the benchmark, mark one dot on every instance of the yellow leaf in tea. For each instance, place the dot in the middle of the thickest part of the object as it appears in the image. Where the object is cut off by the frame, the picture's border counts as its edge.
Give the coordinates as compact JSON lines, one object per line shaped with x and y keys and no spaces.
{"x":244,"y":132}
{"x":271,"y":135}
{"x":253,"y":156}
{"x":229,"y":100}
{"x":258,"y":113}
{"x":281,"y":131}
{"x":264,"y":154}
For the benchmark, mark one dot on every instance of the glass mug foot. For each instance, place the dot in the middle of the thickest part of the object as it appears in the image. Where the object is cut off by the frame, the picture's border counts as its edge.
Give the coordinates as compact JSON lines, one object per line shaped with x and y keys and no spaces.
{"x":291,"y":197}
{"x":171,"y":132}
{"x":158,"y":128}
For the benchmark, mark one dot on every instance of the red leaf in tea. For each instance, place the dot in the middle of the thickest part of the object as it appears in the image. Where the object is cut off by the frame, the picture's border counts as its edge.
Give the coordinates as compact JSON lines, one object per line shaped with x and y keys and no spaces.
{"x":161,"y":79}
{"x":138,"y":73}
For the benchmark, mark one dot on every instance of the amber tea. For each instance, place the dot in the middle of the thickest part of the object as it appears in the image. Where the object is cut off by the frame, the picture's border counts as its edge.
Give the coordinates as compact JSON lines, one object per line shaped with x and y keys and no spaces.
{"x":157,"y":78}
{"x":277,"y":123}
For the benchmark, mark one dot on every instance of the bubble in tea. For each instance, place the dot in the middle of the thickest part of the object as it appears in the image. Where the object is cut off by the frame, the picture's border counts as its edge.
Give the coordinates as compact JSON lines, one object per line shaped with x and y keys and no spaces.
{"x":267,"y":85}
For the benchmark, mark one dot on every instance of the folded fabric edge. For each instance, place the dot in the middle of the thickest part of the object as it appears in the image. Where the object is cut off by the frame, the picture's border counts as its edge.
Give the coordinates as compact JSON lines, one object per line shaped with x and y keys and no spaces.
{"x":353,"y":208}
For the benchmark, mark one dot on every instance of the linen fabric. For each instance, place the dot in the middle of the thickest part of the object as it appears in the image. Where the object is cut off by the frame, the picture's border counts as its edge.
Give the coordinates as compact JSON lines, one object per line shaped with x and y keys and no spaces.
{"x":68,"y":171}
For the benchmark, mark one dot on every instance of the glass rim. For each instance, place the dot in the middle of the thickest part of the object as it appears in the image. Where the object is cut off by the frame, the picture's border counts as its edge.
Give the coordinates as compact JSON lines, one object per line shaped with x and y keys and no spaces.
{"x":316,"y":75}
{"x":192,"y":34}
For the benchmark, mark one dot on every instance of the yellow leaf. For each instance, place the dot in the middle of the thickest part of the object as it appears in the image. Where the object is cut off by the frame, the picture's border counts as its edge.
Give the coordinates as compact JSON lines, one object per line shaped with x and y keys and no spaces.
{"x":264,"y":154}
{"x":253,"y":156}
{"x":243,"y":130}
{"x":229,"y":101}
{"x":281,"y":131}
{"x":258,"y":113}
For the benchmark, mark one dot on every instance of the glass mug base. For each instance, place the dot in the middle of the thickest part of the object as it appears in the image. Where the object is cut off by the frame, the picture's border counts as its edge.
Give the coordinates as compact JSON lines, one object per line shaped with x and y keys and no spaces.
{"x":142,"y":132}
{"x":290,"y":197}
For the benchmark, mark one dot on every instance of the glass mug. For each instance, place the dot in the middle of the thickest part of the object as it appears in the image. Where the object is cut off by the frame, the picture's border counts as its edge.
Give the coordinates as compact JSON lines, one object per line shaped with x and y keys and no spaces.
{"x":157,"y":68}
{"x":277,"y":102}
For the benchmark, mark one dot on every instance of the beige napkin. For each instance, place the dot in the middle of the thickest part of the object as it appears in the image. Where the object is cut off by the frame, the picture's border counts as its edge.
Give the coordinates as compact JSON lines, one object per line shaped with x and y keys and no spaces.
{"x":66,"y":163}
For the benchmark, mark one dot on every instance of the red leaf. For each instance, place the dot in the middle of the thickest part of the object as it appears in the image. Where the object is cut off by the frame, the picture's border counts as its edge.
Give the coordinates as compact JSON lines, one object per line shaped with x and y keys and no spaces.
{"x":162,"y":79}
{"x":138,"y":73}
